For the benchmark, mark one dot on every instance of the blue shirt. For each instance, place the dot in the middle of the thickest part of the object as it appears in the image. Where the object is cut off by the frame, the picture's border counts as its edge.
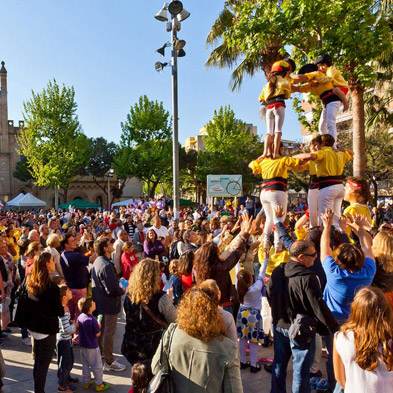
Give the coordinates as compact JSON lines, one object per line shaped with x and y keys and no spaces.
{"x":342,"y":285}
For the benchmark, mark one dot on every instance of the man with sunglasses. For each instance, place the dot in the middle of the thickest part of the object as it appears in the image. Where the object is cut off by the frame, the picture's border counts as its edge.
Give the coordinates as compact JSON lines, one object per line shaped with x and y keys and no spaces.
{"x":295,"y":297}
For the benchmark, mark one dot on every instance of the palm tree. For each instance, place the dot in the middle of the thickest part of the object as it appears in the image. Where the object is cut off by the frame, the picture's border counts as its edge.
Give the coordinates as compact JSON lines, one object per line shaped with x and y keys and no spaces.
{"x":227,"y":56}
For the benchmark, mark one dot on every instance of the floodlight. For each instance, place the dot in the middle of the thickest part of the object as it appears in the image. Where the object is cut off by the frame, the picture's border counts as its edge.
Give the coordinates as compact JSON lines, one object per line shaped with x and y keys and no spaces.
{"x":184,"y":14}
{"x":162,"y":14}
{"x":160,"y":66}
{"x":175,"y":7}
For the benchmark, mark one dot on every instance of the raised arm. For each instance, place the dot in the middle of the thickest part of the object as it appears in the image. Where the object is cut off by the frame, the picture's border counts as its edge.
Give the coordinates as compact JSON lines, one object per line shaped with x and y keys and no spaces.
{"x":359,"y":226}
{"x":327,"y":219}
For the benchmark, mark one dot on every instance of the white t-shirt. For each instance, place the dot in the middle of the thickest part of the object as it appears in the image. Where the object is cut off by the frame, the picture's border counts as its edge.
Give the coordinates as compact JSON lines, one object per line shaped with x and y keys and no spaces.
{"x":358,"y":380}
{"x":161,"y":231}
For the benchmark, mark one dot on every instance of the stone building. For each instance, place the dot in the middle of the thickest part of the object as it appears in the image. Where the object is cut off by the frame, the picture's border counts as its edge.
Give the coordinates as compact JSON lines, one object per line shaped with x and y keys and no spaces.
{"x":83,"y":186}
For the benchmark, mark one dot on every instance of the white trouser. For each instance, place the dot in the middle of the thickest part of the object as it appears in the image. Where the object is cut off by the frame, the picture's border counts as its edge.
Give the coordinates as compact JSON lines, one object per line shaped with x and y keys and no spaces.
{"x":266,"y":314}
{"x":331,"y":198}
{"x":275,"y":120}
{"x":327,"y":121}
{"x":312,"y":201}
{"x":269,"y":200}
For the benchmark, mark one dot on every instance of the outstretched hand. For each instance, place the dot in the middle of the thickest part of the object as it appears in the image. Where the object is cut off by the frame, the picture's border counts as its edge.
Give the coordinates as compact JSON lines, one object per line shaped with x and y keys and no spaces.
{"x":246,"y":223}
{"x":327,"y":218}
{"x":279,"y":211}
{"x":358,"y":223}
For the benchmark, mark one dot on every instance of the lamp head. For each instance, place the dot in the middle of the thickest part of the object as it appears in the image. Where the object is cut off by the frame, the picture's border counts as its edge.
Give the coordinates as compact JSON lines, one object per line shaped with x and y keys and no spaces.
{"x":162,"y":14}
{"x":160,"y":66}
{"x":175,"y":7}
{"x":183,"y":15}
{"x":161,"y":50}
{"x":180,"y":44}
{"x":181,"y":53}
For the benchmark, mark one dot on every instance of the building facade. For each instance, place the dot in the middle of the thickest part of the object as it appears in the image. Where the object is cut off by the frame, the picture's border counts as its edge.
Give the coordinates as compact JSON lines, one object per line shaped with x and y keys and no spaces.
{"x":84,"y":187}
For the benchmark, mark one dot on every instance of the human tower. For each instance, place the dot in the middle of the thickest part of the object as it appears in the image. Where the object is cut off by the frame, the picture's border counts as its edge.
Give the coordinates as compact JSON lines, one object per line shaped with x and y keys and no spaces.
{"x":325,"y":163}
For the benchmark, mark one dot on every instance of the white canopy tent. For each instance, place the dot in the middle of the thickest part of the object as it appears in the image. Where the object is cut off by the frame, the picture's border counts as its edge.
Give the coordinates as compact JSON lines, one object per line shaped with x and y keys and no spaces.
{"x":16,"y":199}
{"x":123,"y":203}
{"x":27,"y":200}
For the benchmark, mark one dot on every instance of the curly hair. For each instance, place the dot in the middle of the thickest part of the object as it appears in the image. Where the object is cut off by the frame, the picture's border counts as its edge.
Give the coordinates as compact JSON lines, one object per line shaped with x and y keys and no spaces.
{"x":360,"y":189}
{"x":350,"y":257}
{"x":383,"y":250}
{"x":145,"y":281}
{"x":199,"y":317}
{"x":371,"y":321}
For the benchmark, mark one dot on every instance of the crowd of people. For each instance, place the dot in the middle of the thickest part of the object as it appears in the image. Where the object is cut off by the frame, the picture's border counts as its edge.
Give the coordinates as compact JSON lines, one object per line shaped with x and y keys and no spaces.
{"x":208,"y":292}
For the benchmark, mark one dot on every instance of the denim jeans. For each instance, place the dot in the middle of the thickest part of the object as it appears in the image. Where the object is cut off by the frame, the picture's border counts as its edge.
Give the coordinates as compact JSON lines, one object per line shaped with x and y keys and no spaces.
{"x":302,"y":355}
{"x":65,"y":361}
{"x":329,"y":363}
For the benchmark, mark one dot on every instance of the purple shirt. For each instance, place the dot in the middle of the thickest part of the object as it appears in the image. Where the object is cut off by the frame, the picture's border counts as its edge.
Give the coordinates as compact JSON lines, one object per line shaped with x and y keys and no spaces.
{"x":88,"y":329}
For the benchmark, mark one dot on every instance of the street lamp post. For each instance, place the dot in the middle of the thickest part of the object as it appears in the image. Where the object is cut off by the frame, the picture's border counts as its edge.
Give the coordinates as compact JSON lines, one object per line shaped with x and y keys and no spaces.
{"x":178,"y":14}
{"x":109,"y":174}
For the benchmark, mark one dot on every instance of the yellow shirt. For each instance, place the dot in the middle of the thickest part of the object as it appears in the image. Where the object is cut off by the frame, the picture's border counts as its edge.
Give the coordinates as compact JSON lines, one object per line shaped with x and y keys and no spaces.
{"x":283,"y":88}
{"x":358,"y":209}
{"x":324,"y":83}
{"x":275,"y":258}
{"x":336,"y":76}
{"x":300,"y":233}
{"x":269,"y":168}
{"x":330,"y":162}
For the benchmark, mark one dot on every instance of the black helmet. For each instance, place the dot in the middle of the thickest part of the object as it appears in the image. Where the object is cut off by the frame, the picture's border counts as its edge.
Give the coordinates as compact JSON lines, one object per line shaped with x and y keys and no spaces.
{"x":291,"y":63}
{"x":308,"y":68}
{"x":324,"y":59}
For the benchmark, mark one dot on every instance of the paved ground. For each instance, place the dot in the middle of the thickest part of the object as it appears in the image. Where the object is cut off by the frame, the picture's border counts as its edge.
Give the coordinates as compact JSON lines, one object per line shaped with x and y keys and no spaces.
{"x":19,"y":376}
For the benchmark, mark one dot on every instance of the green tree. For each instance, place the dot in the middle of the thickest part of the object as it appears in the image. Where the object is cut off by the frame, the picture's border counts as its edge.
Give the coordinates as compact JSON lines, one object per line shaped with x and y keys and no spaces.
{"x":22,"y":172}
{"x":230,"y":146}
{"x":228,"y":54}
{"x":52,"y":141}
{"x":145,"y":145}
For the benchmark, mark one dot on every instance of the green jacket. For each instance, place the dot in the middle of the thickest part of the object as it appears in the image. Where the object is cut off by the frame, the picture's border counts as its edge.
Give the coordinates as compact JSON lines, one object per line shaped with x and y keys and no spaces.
{"x":198,"y":367}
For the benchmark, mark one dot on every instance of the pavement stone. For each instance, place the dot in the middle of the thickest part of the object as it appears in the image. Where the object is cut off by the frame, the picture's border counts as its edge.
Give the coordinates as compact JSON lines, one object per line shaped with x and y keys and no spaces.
{"x":19,"y":369}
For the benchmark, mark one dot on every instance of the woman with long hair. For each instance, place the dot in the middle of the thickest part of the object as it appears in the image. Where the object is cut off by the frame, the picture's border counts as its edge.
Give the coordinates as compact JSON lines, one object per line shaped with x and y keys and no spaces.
{"x":201,"y":358}
{"x":148,"y":311}
{"x":363,"y":349}
{"x":383,"y":253}
{"x":209,"y":264}
{"x":40,"y":315}
{"x":152,"y":246}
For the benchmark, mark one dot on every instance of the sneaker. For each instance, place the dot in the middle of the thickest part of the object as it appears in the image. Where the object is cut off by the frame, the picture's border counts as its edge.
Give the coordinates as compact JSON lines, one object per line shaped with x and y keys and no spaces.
{"x":26,"y":341}
{"x":64,"y":389}
{"x":88,"y":385}
{"x":255,"y":369}
{"x":244,"y":365}
{"x":101,"y":388}
{"x":268,"y":368}
{"x":73,"y":380}
{"x":114,"y":366}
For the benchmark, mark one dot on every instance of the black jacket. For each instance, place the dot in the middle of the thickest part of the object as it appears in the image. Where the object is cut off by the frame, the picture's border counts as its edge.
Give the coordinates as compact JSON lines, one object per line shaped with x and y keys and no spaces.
{"x":105,"y":286}
{"x":294,"y":289}
{"x":41,"y":314}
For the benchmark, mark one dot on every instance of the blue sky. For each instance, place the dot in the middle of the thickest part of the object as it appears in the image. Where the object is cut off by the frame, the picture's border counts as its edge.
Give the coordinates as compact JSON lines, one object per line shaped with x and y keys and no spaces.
{"x":106,"y":50}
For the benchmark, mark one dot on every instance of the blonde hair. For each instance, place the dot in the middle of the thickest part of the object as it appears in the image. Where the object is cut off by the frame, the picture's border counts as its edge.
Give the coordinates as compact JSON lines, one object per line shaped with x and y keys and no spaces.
{"x":53,"y":240}
{"x":199,"y":317}
{"x":32,"y":249}
{"x":383,"y":250}
{"x":145,"y":281}
{"x":174,"y":266}
{"x":371,"y":321}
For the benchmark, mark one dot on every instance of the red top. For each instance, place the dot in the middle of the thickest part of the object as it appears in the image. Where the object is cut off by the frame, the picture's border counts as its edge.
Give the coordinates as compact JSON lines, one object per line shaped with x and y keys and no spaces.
{"x":186,"y":281}
{"x":128,"y":262}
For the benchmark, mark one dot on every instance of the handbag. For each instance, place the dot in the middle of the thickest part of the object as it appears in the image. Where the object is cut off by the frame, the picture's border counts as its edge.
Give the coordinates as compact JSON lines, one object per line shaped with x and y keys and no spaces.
{"x":162,"y":381}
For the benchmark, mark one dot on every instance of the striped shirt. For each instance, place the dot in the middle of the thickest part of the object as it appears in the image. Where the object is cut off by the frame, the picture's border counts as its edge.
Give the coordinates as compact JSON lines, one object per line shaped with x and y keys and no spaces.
{"x":66,"y":328}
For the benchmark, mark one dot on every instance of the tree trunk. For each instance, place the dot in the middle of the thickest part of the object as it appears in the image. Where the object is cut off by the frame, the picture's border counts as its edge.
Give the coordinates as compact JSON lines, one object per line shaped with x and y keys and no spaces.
{"x":375,"y":185}
{"x":152,"y":190}
{"x":358,"y":131}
